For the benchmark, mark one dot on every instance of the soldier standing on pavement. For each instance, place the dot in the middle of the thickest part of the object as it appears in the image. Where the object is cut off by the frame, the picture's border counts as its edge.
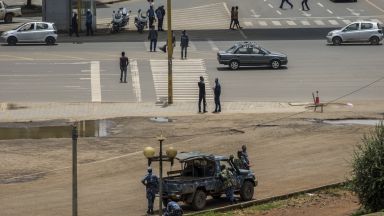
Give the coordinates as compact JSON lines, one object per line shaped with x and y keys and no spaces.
{"x":160,"y":13}
{"x":152,"y":36}
{"x":201,"y":85}
{"x":151,"y":183}
{"x":74,"y":26}
{"x":217,"y":92}
{"x":124,"y":62}
{"x":88,"y":22}
{"x":184,"y":43}
{"x":229,"y":182}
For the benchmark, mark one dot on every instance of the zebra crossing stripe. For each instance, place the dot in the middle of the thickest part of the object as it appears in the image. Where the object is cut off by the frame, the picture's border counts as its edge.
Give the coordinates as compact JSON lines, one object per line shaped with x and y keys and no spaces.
{"x":276,"y":23}
{"x":304,"y":22}
{"x":186,"y":74}
{"x":333,"y":22}
{"x":135,"y":79}
{"x":376,"y":20}
{"x":347,"y":21}
{"x":247,"y":23}
{"x":291,"y":23}
{"x":319,"y":22}
{"x":263,"y":23}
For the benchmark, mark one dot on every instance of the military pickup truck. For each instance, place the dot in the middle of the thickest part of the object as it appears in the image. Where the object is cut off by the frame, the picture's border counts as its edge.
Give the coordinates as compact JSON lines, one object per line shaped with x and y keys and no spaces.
{"x":198,"y":178}
{"x":7,"y":13}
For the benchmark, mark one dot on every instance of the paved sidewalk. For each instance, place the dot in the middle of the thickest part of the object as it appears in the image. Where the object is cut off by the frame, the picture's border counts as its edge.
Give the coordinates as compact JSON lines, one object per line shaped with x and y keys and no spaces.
{"x":17,"y":112}
{"x":39,"y":2}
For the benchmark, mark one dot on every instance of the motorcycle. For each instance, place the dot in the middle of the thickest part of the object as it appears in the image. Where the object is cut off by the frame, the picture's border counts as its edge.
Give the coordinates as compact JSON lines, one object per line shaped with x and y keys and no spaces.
{"x":141,"y":21}
{"x":120,"y":19}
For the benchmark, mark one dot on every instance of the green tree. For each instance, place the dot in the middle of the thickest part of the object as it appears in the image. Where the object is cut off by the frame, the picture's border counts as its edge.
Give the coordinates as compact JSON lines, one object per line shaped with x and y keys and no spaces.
{"x":368,"y":170}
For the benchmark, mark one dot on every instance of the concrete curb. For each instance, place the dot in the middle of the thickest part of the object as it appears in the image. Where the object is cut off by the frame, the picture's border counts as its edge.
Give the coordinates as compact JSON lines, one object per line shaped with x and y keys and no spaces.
{"x":268,"y":199}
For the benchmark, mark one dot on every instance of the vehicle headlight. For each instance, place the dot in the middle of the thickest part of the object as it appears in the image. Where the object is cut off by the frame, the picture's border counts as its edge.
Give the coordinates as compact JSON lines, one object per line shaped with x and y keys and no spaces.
{"x":330,"y":34}
{"x":4,"y":34}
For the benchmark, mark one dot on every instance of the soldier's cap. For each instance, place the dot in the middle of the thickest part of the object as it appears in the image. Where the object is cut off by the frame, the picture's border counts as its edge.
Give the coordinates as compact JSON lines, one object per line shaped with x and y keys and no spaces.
{"x":149,"y":169}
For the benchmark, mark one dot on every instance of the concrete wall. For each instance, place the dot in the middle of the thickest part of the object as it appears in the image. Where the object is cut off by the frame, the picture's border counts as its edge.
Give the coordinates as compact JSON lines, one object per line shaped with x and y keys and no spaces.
{"x":58,"y":12}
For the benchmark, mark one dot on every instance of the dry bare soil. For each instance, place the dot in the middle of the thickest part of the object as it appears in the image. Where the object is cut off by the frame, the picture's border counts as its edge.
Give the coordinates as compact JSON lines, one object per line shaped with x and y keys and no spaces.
{"x":287,"y":155}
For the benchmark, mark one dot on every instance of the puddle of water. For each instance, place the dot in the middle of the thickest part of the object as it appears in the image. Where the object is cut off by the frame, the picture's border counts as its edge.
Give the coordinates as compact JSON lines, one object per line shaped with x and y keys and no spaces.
{"x":161,"y":119}
{"x":353,"y":122}
{"x":91,"y":128}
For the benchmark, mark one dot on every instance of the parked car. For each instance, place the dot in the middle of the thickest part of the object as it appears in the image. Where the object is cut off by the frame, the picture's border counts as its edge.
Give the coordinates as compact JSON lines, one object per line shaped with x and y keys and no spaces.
{"x":199,"y":177}
{"x":360,"y":31}
{"x":7,"y":13}
{"x":250,"y":54}
{"x":42,"y":32}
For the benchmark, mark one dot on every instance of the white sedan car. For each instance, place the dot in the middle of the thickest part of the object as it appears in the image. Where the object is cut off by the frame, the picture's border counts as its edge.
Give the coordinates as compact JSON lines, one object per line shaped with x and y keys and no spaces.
{"x":32,"y":32}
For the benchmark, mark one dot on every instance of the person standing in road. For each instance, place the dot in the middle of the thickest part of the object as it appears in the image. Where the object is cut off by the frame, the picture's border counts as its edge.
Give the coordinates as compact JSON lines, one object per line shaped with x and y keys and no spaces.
{"x":184,"y":43}
{"x":236,"y":18}
{"x":152,"y":36}
{"x":151,"y":15}
{"x":201,"y":85}
{"x":287,"y":1}
{"x":231,"y":24}
{"x":88,"y":22}
{"x":229,"y":183}
{"x":304,"y":2}
{"x":151,"y":183}
{"x":217,"y":92}
{"x":74,"y":26}
{"x":124,"y":62}
{"x":160,"y":13}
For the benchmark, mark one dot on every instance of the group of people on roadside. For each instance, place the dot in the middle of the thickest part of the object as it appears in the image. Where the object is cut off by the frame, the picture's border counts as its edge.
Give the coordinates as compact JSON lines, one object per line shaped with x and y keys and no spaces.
{"x":235,"y":18}
{"x":75,"y":26}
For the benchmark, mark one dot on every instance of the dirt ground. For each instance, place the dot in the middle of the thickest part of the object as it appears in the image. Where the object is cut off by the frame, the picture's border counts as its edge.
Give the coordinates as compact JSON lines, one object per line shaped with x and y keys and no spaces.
{"x":287,"y":155}
{"x":329,"y":202}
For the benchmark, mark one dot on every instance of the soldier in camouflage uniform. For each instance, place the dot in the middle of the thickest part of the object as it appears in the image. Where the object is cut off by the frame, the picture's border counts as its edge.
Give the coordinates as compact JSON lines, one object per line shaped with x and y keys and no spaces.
{"x":151,"y":183}
{"x":173,"y":209}
{"x":245,"y":154}
{"x":229,"y":183}
{"x":240,"y":162}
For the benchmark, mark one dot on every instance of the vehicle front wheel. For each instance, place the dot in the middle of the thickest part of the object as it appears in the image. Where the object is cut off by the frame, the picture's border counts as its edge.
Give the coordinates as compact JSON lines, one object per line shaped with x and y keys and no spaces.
{"x":234,"y":65}
{"x":275,"y":64}
{"x":8,"y":18}
{"x":50,"y":40}
{"x":199,"y":200}
{"x":336,"y":41}
{"x":374,"y":40}
{"x":12,"y":41}
{"x":246,"y":191}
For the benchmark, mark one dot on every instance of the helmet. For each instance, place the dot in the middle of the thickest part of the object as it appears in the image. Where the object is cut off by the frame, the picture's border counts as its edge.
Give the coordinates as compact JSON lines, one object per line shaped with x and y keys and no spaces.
{"x":244,"y":147}
{"x":149,"y":169}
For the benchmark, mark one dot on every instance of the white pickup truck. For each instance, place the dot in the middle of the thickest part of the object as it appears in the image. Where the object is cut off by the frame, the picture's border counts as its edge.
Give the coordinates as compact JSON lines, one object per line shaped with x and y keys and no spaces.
{"x":7,"y":13}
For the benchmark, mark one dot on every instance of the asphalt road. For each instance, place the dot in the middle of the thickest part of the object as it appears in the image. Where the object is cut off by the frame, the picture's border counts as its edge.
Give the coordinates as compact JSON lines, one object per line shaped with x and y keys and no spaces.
{"x":65,"y":73}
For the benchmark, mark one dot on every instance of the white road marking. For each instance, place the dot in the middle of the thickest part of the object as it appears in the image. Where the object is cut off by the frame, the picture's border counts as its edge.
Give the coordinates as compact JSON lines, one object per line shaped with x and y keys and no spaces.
{"x":135,"y":79}
{"x":277,"y":11}
{"x":333,"y":22}
{"x":319,"y":22}
{"x":276,"y":23}
{"x":376,"y":20}
{"x":291,"y":23}
{"x":85,"y":78}
{"x":377,"y":7}
{"x":321,"y":5}
{"x":306,"y":14}
{"x":95,"y":81}
{"x":347,"y":21}
{"x":329,"y":11}
{"x":262,"y":23}
{"x":243,"y":34}
{"x":353,"y":12}
{"x":271,"y":6}
{"x":304,"y":22}
{"x":213,"y":46}
{"x":72,"y":86}
{"x":247,"y":23}
{"x":254,"y":14}
{"x":226,"y":9}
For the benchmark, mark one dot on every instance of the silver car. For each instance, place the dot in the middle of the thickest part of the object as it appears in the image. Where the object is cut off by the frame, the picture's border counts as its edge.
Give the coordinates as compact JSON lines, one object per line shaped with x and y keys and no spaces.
{"x":250,"y":54}
{"x":360,"y":31}
{"x":32,"y":32}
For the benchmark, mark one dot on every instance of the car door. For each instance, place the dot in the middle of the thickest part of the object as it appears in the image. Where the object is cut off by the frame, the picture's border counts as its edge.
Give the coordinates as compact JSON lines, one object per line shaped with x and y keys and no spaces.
{"x":41,"y":31}
{"x":259,"y":57}
{"x":351,"y":32}
{"x":243,"y":54}
{"x":366,"y":31}
{"x":26,"y":33}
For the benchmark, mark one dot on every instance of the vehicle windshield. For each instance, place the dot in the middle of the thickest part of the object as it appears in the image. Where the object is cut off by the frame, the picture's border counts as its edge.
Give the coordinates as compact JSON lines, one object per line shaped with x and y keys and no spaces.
{"x":232,"y":49}
{"x":19,"y":26}
{"x":264,"y":50}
